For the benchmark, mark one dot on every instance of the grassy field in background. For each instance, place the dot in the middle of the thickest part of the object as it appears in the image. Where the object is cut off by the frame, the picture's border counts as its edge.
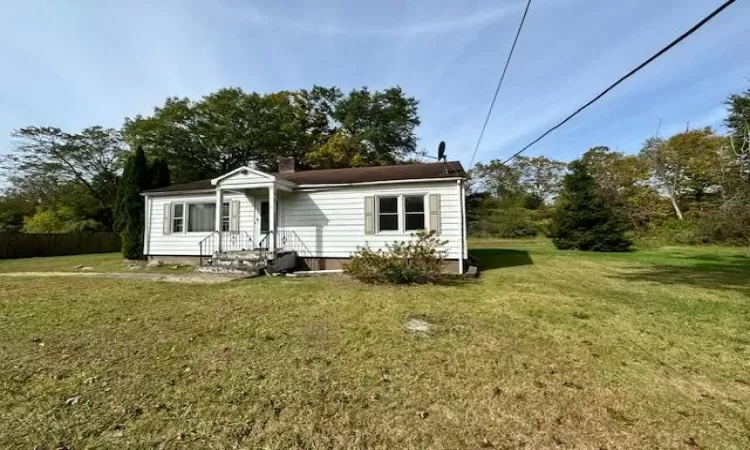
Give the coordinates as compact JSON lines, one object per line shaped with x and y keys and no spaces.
{"x":547,"y":349}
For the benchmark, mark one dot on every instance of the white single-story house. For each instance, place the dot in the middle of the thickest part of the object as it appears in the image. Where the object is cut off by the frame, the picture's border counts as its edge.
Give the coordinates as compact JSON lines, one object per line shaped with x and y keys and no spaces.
{"x":323,"y":215}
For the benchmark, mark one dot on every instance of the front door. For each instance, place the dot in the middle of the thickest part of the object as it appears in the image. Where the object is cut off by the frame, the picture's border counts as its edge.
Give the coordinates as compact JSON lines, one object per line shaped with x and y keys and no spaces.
{"x":261,"y":231}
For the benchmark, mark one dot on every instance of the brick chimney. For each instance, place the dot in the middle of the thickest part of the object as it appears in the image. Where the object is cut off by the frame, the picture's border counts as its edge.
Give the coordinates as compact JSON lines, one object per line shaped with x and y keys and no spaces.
{"x":286,"y":164}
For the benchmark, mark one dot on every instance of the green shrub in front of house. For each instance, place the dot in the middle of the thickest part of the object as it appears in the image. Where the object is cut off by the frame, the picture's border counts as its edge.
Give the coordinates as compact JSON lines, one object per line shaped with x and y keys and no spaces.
{"x":419,"y":260}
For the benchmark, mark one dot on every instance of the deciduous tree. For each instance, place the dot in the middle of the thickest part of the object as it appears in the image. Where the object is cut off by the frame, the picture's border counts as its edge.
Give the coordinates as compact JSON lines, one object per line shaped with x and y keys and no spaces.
{"x":90,"y":159}
{"x":321,"y":127}
{"x":540,"y":176}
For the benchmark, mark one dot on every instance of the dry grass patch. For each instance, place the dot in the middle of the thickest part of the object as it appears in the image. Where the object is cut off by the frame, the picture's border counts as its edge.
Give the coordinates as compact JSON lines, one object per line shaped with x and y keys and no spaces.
{"x":104,"y":263}
{"x":553,"y":350}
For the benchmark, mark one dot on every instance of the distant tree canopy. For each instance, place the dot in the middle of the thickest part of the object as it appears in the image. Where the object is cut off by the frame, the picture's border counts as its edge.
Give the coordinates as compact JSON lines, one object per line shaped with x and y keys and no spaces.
{"x":691,"y":187}
{"x":60,"y":181}
{"x":69,"y":176}
{"x":320,"y":128}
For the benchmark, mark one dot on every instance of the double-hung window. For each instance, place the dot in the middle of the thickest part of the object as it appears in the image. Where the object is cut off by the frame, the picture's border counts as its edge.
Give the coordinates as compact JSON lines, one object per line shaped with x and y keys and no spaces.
{"x":198,"y":217}
{"x":413,"y":212}
{"x":178,"y":218}
{"x":225,"y":216}
{"x":400,"y":213}
{"x":387,"y":213}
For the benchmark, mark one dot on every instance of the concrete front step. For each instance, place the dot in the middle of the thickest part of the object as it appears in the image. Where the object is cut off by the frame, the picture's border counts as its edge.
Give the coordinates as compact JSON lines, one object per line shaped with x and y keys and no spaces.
{"x":236,"y":262}
{"x":246,"y":261}
{"x":228,"y":270}
{"x":247,"y":255}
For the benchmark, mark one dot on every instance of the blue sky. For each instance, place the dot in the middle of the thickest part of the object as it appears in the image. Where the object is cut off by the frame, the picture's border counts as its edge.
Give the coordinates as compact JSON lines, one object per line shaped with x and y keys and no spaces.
{"x":92,"y":62}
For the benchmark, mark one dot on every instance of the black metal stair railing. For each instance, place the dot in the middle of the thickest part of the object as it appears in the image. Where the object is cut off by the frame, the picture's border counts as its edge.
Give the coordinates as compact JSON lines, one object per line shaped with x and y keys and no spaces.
{"x":231,"y":241}
{"x":206,"y":246}
{"x":290,"y":240}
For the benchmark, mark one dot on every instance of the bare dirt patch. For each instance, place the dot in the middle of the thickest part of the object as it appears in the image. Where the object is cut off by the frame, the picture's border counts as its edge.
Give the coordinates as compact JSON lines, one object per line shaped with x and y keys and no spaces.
{"x":203,"y":278}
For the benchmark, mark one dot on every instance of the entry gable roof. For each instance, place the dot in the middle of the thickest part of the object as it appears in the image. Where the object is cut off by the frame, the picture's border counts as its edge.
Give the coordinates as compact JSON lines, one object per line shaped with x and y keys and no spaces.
{"x":245,"y":172}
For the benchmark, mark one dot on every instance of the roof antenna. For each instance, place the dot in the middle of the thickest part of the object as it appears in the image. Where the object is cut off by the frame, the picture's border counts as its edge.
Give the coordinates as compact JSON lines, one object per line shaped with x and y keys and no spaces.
{"x":441,"y":153}
{"x":440,"y":157}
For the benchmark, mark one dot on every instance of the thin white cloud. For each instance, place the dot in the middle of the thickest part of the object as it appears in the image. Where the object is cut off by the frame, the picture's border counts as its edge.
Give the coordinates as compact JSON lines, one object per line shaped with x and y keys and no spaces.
{"x":426,"y":28}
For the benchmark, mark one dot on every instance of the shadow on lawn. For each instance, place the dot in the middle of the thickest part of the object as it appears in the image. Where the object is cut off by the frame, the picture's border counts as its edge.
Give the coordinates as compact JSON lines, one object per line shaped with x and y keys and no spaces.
{"x":498,"y":258}
{"x":726,"y":272}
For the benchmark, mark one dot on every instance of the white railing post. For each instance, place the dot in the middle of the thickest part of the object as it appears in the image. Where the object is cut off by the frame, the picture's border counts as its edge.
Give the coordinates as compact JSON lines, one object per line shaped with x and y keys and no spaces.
{"x":272,"y":218}
{"x":219,"y":203}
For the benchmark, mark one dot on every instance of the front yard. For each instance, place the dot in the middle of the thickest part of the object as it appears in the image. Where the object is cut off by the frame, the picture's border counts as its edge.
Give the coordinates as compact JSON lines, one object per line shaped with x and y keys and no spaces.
{"x":545,"y":350}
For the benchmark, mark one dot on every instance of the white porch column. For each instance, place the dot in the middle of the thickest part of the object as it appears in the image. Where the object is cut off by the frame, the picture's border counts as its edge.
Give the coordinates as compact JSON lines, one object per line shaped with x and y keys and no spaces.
{"x":219,"y":203}
{"x":272,"y":218}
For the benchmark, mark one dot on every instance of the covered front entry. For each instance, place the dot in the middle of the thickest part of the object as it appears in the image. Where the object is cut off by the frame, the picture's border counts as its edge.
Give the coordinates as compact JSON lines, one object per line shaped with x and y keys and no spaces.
{"x":262,"y":190}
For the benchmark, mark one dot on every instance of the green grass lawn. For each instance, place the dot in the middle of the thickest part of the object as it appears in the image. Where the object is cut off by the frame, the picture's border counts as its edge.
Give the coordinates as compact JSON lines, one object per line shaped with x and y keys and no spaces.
{"x":546,"y":350}
{"x":104,"y":262}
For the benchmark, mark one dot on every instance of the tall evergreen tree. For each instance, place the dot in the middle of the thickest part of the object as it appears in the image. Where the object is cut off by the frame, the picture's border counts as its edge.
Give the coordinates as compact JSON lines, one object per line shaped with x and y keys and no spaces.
{"x":160,"y":176}
{"x":583,"y":220}
{"x":130,"y":204}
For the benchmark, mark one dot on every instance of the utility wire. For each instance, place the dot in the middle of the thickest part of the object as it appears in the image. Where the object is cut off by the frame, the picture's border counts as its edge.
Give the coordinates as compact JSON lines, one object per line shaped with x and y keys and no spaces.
{"x":628,"y":75}
{"x":500,"y":83}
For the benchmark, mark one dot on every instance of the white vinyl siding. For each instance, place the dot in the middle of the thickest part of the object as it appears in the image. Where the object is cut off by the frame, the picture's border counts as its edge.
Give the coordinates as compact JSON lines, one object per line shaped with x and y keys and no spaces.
{"x":184,"y":243}
{"x":331,"y":221}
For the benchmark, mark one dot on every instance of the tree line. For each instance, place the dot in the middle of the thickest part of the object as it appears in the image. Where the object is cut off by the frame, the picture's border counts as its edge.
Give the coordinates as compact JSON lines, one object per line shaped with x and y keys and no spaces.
{"x":693,"y":187}
{"x":62,"y":181}
{"x":688,"y":188}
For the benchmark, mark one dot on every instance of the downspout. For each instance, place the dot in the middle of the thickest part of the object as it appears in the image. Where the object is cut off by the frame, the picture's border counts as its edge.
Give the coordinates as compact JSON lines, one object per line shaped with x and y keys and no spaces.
{"x":147,"y":226}
{"x":462,"y":219}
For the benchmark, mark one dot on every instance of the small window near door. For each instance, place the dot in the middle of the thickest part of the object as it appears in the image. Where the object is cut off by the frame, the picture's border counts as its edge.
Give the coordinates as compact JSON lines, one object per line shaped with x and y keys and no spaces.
{"x":414,"y":212}
{"x":264,"y":218}
{"x":225,"y":217}
{"x":387,"y":213}
{"x":178,"y":218}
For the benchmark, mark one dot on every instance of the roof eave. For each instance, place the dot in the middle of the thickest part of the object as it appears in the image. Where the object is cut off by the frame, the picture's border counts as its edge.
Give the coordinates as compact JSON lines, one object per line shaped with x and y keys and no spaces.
{"x":365,"y":183}
{"x":165,"y":193}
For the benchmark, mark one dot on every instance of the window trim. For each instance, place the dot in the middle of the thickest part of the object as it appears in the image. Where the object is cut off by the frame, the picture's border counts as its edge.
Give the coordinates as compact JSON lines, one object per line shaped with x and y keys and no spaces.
{"x":186,"y":217}
{"x":425,"y":213}
{"x":397,"y":213}
{"x":401,"y":213}
{"x":226,"y":220}
{"x":173,"y":217}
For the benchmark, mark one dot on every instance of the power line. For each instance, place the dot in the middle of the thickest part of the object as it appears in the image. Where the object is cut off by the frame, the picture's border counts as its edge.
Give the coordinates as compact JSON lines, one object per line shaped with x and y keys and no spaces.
{"x":628,"y":75}
{"x":500,"y":83}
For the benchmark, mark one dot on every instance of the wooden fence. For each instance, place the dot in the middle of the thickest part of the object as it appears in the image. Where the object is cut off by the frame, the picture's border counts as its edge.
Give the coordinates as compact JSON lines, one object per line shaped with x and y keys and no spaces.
{"x":28,"y":245}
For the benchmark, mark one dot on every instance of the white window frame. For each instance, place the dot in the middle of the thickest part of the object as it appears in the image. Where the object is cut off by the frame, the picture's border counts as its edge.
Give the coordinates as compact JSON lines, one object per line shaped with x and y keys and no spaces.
{"x":425,"y":213}
{"x":226,"y":220}
{"x":174,"y":217}
{"x":397,"y":213}
{"x":185,"y":218}
{"x":401,"y":213}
